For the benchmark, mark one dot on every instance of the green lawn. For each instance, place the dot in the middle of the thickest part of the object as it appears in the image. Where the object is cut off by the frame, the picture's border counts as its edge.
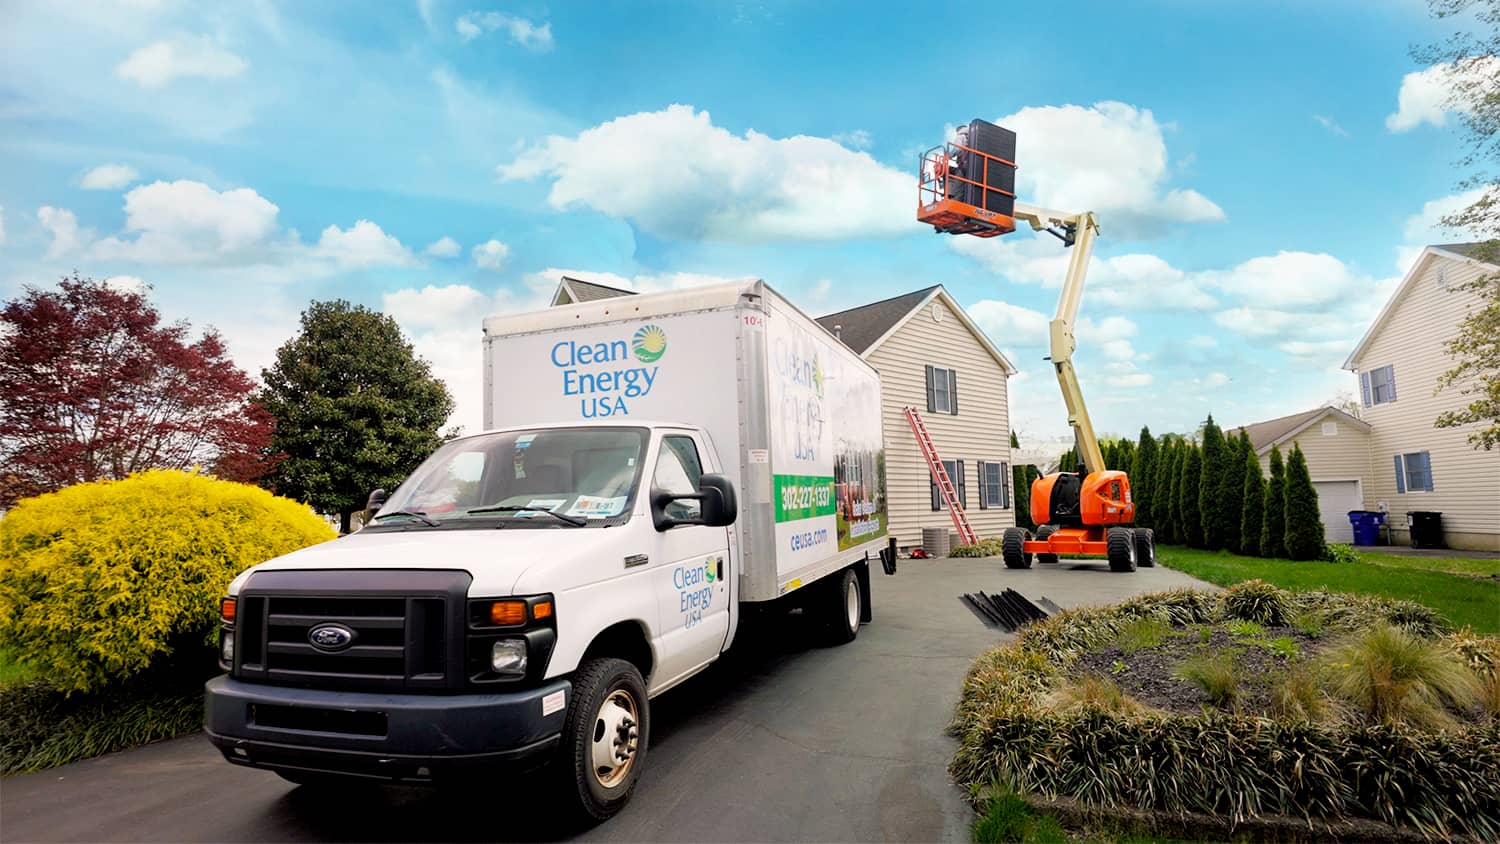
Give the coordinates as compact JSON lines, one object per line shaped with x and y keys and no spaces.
{"x":1463,"y":599}
{"x":1455,"y":565}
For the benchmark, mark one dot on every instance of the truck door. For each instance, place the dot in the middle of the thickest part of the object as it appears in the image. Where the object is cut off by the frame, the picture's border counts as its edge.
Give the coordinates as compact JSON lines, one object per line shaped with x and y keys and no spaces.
{"x":692,"y":577}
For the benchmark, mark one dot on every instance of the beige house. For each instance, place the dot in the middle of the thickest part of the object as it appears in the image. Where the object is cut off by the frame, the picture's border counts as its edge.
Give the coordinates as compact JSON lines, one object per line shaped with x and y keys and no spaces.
{"x":932,"y":357}
{"x":1337,"y":448}
{"x":1393,"y":458}
{"x":1413,"y":464}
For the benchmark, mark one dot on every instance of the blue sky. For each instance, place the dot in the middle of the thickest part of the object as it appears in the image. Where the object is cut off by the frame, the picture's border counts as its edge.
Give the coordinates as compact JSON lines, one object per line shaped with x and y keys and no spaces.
{"x":1263,"y":171}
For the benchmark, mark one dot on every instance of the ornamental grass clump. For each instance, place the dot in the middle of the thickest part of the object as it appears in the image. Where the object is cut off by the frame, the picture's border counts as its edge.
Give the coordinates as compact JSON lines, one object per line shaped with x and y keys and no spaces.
{"x":983,"y":548}
{"x":1295,"y":696}
{"x":1392,"y":676}
{"x":1257,"y":601}
{"x":100,"y":580}
{"x":1094,"y":692}
{"x":1217,"y":676}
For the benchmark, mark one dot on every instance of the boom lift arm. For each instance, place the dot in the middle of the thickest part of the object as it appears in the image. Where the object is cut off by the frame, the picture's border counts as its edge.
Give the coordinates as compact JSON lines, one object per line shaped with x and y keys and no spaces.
{"x":1077,"y":231}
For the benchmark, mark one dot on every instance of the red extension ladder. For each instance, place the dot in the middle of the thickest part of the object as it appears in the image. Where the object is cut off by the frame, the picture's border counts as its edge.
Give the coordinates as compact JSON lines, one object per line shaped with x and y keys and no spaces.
{"x":940,"y":476}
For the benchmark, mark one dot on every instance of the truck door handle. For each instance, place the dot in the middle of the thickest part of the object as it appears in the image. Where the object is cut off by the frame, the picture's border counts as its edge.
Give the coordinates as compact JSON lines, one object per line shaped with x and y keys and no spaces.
{"x":720,"y":574}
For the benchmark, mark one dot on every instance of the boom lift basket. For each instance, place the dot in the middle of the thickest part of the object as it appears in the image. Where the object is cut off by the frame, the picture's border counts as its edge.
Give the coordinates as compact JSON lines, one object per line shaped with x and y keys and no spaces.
{"x":970,"y":189}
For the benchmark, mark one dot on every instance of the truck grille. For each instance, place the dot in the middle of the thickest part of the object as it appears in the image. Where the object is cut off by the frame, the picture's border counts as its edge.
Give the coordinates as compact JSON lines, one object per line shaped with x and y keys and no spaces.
{"x":395,"y":629}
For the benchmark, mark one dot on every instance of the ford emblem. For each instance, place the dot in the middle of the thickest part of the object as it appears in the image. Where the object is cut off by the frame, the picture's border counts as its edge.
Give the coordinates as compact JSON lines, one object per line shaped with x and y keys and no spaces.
{"x":330,"y":637}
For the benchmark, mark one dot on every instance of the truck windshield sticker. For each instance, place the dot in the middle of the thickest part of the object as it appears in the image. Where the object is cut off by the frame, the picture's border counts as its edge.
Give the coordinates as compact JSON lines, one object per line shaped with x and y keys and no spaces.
{"x":593,"y":507}
{"x":546,"y":503}
{"x":604,"y":375}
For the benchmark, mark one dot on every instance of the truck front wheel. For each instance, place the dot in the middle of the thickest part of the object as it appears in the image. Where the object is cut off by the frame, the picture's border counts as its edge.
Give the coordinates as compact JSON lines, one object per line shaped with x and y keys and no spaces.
{"x":605,"y":735}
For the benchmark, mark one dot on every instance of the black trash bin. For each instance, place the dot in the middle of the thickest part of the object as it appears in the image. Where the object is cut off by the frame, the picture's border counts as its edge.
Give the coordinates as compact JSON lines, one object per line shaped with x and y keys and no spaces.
{"x":1426,"y":528}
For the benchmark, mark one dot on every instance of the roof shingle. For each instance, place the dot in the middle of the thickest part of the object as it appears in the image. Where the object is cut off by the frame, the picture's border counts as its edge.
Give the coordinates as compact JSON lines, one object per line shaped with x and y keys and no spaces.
{"x":860,"y":327}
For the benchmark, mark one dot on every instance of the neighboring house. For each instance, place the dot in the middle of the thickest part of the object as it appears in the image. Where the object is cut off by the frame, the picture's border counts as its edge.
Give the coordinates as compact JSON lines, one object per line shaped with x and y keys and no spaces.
{"x":1337,"y":448}
{"x":931,"y":356}
{"x":1393,"y":457}
{"x":1413,"y":464}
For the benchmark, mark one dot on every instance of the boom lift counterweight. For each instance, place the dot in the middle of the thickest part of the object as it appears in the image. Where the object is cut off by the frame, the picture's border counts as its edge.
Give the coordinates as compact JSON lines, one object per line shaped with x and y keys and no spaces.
{"x":1078,"y":513}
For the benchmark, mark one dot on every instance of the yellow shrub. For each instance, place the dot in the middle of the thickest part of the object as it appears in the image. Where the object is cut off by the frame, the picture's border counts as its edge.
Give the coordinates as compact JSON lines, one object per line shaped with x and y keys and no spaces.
{"x":98,"y":579}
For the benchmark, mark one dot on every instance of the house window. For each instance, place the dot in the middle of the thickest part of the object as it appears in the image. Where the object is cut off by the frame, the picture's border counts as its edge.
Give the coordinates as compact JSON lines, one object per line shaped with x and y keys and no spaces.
{"x":942,"y":390}
{"x":1414,"y":472}
{"x":955,"y":470}
{"x":1378,"y":386}
{"x":994,"y":492}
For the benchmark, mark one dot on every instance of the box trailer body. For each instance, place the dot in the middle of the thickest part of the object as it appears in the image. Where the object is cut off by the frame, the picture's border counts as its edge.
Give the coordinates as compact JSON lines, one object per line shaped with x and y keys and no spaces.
{"x":793,"y":413}
{"x":653,"y":468}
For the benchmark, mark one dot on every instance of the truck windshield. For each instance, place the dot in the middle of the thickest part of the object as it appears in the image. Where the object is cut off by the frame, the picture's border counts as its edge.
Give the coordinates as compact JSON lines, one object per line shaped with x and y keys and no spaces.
{"x":588,"y":475}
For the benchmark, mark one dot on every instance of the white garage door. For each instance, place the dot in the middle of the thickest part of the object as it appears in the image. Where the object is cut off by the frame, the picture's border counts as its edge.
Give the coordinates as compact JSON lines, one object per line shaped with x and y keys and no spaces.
{"x":1335,"y":500}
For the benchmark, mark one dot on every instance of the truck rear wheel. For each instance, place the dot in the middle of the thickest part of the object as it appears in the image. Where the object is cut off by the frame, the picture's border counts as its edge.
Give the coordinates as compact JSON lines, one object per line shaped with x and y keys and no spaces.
{"x":1013,"y":548}
{"x":1120,"y":549}
{"x":605,"y":736}
{"x":1145,"y":548}
{"x":841,"y":607}
{"x":1042,"y":533}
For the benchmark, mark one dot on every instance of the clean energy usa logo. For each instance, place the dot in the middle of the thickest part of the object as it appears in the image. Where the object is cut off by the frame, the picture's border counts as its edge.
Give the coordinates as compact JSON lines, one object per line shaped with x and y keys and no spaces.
{"x":649,"y":343}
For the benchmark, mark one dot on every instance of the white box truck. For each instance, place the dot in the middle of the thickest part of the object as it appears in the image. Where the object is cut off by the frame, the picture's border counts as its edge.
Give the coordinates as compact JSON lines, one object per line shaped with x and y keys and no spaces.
{"x":654,"y":468}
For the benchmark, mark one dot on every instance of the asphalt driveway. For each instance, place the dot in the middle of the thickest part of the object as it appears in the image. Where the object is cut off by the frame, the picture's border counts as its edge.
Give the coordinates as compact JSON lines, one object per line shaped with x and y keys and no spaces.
{"x":778,"y":742}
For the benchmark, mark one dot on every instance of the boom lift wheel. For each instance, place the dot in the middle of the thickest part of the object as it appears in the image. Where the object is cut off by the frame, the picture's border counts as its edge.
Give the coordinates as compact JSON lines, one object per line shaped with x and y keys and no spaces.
{"x":1120,"y":549}
{"x":1013,"y":548}
{"x":1145,"y":548}
{"x":1041,"y":535}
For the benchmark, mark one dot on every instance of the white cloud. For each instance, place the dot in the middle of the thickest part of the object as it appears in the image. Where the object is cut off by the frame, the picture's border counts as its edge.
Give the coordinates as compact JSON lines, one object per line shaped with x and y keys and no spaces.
{"x":1109,"y":329}
{"x":1133,"y":281}
{"x":188,"y":222}
{"x":109,"y":177}
{"x":444,"y":247}
{"x":362,"y":245}
{"x":436,"y":307}
{"x":1331,"y":125}
{"x":675,"y":174}
{"x":858,"y":139}
{"x":1289,"y":279}
{"x":1130,"y":380}
{"x":63,"y":226}
{"x":521,"y":31}
{"x":1110,"y":158}
{"x":185,"y":56}
{"x":126,"y":283}
{"x":1427,"y":96}
{"x":1010,"y":326}
{"x":490,"y":255}
{"x":1215,"y":379}
{"x":1426,"y":225}
{"x":818,"y":295}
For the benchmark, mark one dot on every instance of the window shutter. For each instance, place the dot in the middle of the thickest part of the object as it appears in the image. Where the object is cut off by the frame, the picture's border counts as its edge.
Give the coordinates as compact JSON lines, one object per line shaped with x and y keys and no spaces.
{"x":1364,"y":386}
{"x":1005,"y":485}
{"x":953,"y":392}
{"x":937,"y":498}
{"x":1427,"y":468}
{"x":984,"y":500}
{"x":1390,"y":380}
{"x":1400,"y":475}
{"x":963,"y":489}
{"x":931,"y":396}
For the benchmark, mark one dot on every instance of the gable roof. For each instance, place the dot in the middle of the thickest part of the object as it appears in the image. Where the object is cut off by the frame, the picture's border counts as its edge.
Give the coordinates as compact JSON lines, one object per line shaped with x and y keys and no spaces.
{"x":863,"y":329}
{"x":860,"y":327}
{"x":1452,"y":251}
{"x":1271,"y":432}
{"x":578,"y":290}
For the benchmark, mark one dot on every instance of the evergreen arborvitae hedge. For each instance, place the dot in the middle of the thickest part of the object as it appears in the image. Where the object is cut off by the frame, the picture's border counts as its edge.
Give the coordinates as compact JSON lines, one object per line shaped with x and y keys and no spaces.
{"x":1143,"y":479}
{"x":1304,"y":525}
{"x":1211,"y":486}
{"x":1190,"y":520}
{"x":1166,"y":489}
{"x":1273,"y":512}
{"x":1253,"y":493}
{"x":1232,"y":492}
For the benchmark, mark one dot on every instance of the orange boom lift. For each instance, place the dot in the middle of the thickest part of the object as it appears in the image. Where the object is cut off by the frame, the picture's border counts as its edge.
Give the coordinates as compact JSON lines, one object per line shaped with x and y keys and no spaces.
{"x":968,"y":188}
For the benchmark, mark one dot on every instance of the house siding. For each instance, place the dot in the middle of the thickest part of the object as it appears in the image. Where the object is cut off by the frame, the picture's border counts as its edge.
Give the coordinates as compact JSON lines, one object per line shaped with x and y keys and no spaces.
{"x":980,"y":430}
{"x":1343,"y":456}
{"x":1466,"y":481}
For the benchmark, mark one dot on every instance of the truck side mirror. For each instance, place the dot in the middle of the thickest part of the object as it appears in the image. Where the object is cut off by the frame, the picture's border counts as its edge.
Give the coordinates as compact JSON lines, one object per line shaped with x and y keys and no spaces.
{"x":718,"y":506}
{"x":376,"y":500}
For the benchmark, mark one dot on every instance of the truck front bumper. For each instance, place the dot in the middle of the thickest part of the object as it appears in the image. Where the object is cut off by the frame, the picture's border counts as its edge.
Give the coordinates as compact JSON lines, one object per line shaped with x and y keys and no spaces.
{"x":393,"y":737}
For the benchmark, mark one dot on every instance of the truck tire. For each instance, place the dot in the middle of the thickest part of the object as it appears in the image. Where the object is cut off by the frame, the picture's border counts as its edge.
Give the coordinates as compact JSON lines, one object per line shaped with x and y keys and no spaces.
{"x":841,"y":607}
{"x":1042,"y":533}
{"x":1120,"y":549}
{"x":604,"y":737}
{"x":1013,"y":548}
{"x":1145,"y":548}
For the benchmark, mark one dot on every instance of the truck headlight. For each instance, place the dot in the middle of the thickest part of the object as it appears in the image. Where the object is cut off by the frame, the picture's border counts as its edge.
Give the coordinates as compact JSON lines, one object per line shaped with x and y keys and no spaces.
{"x":508,"y":656}
{"x":226,"y":647}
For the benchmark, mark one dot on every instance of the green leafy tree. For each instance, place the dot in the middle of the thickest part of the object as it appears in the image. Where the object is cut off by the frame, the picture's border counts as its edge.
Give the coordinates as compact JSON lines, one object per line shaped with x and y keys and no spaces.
{"x":1304,"y":525}
{"x":1211,"y":486}
{"x":1165,"y":510}
{"x":1143,"y":478}
{"x":355,"y":408}
{"x":1476,"y":370}
{"x":1273,"y":510}
{"x":1232,"y":491}
{"x":1190,"y":520}
{"x":1021,"y":478}
{"x":1253,"y":494}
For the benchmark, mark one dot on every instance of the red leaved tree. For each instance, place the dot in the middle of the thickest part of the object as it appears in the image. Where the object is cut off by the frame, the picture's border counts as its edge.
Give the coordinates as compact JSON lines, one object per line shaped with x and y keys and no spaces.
{"x":92,"y":386}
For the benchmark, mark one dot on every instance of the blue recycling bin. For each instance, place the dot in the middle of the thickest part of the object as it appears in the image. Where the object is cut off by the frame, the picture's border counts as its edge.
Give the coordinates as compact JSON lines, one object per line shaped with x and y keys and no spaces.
{"x":1367,"y":524}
